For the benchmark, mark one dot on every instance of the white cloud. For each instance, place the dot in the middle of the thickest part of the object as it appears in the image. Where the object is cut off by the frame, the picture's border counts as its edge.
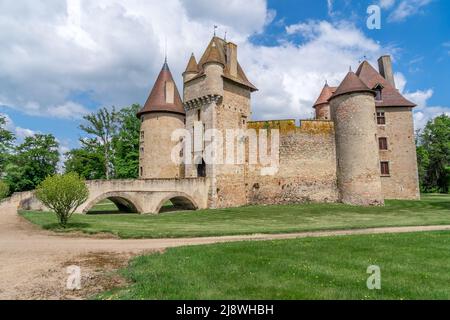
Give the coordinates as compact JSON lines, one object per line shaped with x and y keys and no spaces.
{"x":407,"y":8}
{"x":386,"y":4}
{"x":290,"y":76}
{"x":423,"y":112}
{"x":20,"y":133}
{"x":113,"y":49}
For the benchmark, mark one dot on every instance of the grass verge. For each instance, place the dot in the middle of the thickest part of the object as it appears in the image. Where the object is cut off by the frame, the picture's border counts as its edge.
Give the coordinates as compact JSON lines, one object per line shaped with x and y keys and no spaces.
{"x":431,"y":210}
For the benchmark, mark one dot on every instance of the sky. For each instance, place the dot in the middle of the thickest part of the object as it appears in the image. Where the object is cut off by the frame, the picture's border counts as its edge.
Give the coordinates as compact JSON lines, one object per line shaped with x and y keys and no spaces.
{"x":62,"y":59}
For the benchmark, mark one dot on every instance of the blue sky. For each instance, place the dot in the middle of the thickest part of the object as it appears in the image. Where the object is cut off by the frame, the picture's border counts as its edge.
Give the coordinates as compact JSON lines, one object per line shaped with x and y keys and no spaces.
{"x":62,"y":59}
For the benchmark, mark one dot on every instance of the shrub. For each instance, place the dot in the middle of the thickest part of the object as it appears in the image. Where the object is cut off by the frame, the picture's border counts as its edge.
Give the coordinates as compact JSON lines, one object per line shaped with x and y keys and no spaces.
{"x":4,"y":190}
{"x":63,"y":194}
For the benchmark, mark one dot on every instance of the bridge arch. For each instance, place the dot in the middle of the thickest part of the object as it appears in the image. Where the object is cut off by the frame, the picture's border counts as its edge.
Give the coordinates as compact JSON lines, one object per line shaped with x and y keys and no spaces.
{"x":123,"y":201}
{"x":179,"y":200}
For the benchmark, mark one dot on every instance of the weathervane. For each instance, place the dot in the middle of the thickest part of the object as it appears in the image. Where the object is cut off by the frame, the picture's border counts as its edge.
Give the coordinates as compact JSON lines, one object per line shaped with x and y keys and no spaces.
{"x":364,"y":58}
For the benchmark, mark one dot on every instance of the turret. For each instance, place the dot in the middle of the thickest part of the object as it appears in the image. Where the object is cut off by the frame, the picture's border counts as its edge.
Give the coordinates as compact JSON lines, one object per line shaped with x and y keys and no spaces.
{"x":191,"y":69}
{"x":353,"y":112}
{"x":213,"y":67}
{"x":163,"y":113}
{"x":322,"y":105}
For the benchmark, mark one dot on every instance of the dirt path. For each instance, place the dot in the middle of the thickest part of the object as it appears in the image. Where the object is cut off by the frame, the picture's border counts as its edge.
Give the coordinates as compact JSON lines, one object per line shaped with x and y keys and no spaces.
{"x":33,"y":262}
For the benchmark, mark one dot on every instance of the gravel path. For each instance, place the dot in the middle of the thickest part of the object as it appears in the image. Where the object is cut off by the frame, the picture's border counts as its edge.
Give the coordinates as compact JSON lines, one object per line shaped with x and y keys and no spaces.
{"x":34,"y":261}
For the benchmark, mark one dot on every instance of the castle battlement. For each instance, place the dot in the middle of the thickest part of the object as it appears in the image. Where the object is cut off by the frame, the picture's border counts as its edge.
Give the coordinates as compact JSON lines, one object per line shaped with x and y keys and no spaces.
{"x":290,"y":125}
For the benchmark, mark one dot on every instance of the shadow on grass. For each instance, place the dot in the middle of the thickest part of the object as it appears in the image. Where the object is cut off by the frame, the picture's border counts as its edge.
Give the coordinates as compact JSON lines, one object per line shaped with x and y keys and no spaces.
{"x":69,"y":226}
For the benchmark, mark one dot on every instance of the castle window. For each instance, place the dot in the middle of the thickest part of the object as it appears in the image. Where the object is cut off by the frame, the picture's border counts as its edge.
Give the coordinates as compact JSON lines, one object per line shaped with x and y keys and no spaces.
{"x":381,"y":118}
{"x":385,"y":168}
{"x":379,"y":92}
{"x":142,"y":149}
{"x":141,"y":171}
{"x":199,"y":115}
{"x":383,"y":143}
{"x":142,"y":135}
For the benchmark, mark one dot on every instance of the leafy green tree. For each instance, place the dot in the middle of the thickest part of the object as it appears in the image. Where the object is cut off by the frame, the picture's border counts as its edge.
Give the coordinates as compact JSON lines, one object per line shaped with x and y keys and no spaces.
{"x":4,"y":190}
{"x":63,"y":194}
{"x":6,"y":144}
{"x":101,"y":126}
{"x":34,"y":160}
{"x":87,"y":162}
{"x":126,"y":144}
{"x":434,"y":155}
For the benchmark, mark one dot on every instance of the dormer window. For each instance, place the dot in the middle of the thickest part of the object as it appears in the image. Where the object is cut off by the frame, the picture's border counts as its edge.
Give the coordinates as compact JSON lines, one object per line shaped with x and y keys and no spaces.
{"x":379,"y":92}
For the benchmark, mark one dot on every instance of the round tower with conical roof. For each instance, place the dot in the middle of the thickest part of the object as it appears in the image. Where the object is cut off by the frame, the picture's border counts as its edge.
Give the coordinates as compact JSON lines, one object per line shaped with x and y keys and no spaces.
{"x":322,"y":105}
{"x":353,"y":112}
{"x":162,"y":114}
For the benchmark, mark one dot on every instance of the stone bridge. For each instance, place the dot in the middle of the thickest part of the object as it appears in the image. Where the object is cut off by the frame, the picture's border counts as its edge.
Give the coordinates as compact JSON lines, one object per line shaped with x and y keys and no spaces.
{"x":139,"y":196}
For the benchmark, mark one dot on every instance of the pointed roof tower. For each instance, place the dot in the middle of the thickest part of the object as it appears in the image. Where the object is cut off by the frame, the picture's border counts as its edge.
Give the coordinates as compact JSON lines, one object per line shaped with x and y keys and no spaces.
{"x":212,"y":54}
{"x":217,"y":52}
{"x":164,"y":96}
{"x":325,"y":95}
{"x":351,"y":84}
{"x":391,"y":97}
{"x":192,"y":66}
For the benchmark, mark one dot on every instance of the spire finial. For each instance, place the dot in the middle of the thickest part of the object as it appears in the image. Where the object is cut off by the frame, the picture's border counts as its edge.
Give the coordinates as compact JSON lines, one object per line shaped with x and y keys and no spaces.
{"x":225,"y":37}
{"x":326,"y":82}
{"x":165,"y":52}
{"x":215,"y":29}
{"x":350,"y":69}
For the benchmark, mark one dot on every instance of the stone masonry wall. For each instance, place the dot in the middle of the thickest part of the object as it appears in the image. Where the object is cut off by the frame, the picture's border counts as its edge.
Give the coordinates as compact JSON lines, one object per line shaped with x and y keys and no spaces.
{"x":307,"y":170}
{"x":402,"y":182}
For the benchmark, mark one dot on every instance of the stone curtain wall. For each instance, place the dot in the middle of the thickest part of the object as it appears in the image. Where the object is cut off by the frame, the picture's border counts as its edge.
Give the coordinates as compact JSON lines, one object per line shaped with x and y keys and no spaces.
{"x":307,"y":170}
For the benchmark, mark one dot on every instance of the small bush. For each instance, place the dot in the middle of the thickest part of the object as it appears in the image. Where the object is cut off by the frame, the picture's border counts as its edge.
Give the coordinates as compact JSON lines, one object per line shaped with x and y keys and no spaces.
{"x":63,"y":194}
{"x":4,"y":190}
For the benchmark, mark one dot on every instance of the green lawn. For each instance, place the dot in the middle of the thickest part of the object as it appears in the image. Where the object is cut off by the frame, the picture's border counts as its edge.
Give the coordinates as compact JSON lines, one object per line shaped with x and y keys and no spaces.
{"x":413,"y":266}
{"x":431,"y":210}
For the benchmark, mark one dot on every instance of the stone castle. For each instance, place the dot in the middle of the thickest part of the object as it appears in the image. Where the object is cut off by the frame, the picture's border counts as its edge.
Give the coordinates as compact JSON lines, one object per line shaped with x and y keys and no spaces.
{"x":359,"y":149}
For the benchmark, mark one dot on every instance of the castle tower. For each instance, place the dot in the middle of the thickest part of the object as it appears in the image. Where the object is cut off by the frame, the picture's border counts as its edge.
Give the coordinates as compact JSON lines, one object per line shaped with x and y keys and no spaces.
{"x":191,"y":69}
{"x":322,"y":106}
{"x":217,"y":97}
{"x":358,"y":171}
{"x":162,"y":114}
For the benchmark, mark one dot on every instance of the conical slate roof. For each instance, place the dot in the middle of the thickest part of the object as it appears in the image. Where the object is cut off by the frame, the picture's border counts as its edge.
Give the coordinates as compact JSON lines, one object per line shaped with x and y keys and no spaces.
{"x":192,"y":66}
{"x":157,"y":101}
{"x":325,"y":95}
{"x":351,"y":84}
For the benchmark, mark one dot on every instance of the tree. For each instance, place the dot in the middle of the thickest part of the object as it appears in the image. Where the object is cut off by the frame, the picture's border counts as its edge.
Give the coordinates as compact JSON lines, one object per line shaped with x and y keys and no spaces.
{"x":434,"y":155}
{"x":6,"y":144}
{"x":87,"y":162}
{"x":4,"y":190}
{"x":34,"y":160}
{"x":126,"y":144}
{"x":63,"y":194}
{"x":102,"y":126}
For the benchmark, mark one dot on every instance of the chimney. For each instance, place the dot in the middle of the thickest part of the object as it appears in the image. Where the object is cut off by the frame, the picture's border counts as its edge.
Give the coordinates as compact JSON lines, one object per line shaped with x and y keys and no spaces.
{"x":385,"y":67}
{"x":232,"y":58}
